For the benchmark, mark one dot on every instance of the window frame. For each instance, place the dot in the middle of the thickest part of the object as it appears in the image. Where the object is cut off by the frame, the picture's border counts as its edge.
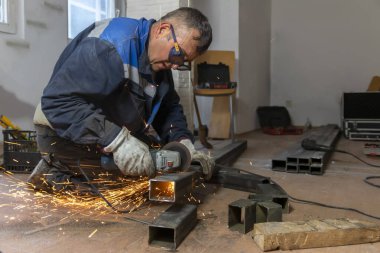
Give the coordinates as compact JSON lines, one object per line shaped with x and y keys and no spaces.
{"x":117,"y":8}
{"x":10,"y":25}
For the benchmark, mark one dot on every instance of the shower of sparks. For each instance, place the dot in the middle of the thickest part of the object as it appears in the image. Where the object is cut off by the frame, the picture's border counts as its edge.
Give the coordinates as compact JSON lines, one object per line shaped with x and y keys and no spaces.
{"x":124,"y":193}
{"x":12,"y":143}
{"x":93,"y":232}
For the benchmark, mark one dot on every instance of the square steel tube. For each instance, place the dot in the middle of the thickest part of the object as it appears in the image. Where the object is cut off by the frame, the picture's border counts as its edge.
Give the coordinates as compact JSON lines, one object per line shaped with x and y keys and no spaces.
{"x":278,"y":165}
{"x":171,"y":187}
{"x":277,"y":194}
{"x":304,"y":168}
{"x":242,"y":215}
{"x":172,"y":226}
{"x":268,"y":211}
{"x":292,"y":168}
{"x":316,"y":170}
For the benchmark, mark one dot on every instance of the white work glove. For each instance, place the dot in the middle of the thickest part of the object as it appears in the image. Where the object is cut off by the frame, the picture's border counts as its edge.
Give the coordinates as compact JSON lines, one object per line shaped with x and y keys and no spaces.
{"x":206,"y":161}
{"x":131,"y":155}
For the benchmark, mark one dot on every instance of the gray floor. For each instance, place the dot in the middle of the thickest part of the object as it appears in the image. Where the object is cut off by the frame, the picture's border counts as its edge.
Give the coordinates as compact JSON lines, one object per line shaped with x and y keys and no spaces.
{"x":29,"y":225}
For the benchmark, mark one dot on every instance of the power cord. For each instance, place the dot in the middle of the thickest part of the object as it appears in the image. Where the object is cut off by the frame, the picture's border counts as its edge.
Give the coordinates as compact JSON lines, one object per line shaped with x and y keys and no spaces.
{"x":309,"y":144}
{"x":302,"y":201}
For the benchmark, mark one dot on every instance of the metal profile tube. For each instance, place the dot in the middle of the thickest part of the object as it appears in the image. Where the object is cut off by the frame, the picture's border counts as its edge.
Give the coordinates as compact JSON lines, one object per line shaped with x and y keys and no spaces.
{"x":172,"y":226}
{"x":279,"y":164}
{"x":171,"y":187}
{"x":277,"y":194}
{"x":292,"y":167}
{"x":268,"y":211}
{"x":242,"y":215}
{"x":238,"y":181}
{"x":298,"y":160}
{"x":303,"y":168}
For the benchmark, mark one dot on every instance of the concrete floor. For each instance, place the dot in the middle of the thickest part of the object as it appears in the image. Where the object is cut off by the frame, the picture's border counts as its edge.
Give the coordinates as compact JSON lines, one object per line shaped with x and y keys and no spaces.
{"x":25,"y":227}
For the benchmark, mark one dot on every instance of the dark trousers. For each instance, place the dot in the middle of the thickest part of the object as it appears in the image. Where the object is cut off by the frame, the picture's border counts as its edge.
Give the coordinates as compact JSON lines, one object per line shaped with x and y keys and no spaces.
{"x":68,"y":153}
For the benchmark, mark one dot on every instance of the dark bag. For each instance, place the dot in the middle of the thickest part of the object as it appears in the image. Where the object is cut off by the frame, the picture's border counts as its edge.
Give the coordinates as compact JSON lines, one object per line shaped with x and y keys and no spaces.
{"x":273,"y":117}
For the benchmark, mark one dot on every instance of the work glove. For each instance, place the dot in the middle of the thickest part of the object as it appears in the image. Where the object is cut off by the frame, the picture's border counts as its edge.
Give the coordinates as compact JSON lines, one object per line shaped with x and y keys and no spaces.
{"x":207,"y":162}
{"x":131,"y":155}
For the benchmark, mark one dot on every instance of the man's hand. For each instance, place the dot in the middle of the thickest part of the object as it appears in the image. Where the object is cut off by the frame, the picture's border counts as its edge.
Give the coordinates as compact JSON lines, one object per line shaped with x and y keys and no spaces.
{"x":203,"y":159}
{"x":131,"y":155}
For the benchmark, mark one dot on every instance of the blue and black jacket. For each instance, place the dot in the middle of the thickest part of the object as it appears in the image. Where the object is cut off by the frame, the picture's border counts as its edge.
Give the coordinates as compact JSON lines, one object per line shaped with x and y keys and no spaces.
{"x":98,"y":84}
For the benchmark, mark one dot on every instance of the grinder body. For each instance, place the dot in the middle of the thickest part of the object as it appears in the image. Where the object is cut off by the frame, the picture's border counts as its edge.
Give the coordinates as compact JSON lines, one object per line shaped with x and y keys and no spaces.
{"x":173,"y":156}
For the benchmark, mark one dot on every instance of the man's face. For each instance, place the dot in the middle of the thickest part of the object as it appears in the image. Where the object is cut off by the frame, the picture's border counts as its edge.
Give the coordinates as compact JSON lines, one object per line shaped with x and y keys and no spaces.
{"x":162,"y":42}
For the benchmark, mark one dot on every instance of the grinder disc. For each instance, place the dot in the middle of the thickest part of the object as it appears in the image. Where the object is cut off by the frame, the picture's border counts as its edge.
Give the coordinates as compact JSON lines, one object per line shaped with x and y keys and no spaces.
{"x":183,"y":152}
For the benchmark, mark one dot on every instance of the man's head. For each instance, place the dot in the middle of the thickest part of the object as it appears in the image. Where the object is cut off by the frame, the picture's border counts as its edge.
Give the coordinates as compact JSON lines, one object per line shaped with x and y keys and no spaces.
{"x":186,"y":26}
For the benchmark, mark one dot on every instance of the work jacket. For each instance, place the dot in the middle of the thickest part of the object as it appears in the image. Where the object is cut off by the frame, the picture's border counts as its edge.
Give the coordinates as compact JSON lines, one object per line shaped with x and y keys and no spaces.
{"x":103,"y":81}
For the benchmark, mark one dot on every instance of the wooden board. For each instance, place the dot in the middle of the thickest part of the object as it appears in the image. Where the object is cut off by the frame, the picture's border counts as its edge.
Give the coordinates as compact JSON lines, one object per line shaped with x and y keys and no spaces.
{"x":314,"y":234}
{"x":220,"y":123}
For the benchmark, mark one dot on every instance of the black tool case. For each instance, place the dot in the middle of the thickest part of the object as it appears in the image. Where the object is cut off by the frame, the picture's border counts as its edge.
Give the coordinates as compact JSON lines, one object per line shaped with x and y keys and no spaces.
{"x":361,"y":115}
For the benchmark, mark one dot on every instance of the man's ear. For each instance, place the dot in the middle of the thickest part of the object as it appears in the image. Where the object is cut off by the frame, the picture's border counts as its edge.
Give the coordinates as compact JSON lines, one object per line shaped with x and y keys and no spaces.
{"x":163,"y":30}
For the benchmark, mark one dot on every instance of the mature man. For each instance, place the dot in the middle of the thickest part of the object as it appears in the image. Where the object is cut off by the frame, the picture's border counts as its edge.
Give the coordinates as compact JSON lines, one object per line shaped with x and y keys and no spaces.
{"x":111,"y":87}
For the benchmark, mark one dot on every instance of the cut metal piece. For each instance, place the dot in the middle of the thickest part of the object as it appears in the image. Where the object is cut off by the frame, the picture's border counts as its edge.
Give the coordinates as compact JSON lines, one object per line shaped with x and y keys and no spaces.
{"x":277,"y":194}
{"x":242,"y":215}
{"x":172,"y":226}
{"x":171,"y":187}
{"x":268,"y":211}
{"x":233,"y":179}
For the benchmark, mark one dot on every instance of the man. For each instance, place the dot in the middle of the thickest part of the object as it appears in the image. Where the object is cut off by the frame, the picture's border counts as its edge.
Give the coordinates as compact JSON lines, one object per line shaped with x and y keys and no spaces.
{"x":111,"y":88}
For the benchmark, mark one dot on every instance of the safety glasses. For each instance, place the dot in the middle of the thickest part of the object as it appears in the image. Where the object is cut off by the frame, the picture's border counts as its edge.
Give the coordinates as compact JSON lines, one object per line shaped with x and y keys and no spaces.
{"x":177,"y":55}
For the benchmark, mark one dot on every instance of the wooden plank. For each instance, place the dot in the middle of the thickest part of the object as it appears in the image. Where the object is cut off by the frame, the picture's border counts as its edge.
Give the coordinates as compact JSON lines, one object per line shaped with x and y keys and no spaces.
{"x":314,"y":234}
{"x":220,"y":123}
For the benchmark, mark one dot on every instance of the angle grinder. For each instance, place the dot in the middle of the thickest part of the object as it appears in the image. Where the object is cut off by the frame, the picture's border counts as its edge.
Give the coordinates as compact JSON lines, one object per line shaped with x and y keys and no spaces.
{"x":174,"y":156}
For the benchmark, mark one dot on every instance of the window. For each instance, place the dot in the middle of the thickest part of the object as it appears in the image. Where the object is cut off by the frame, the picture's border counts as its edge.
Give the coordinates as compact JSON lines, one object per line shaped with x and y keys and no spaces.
{"x":83,"y":13}
{"x":8,"y":16}
{"x":3,"y":11}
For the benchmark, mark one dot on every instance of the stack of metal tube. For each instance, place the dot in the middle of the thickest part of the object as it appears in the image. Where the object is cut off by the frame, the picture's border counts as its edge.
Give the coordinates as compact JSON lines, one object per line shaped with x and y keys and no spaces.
{"x":298,"y":160}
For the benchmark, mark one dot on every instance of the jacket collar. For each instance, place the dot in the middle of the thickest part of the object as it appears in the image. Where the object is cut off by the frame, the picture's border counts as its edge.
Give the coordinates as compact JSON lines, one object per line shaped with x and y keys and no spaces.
{"x":144,"y":65}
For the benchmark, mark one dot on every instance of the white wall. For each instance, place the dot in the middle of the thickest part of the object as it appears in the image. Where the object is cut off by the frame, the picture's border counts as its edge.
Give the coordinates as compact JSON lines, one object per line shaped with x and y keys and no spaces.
{"x":321,"y":48}
{"x":254,"y":62}
{"x":28,"y":57}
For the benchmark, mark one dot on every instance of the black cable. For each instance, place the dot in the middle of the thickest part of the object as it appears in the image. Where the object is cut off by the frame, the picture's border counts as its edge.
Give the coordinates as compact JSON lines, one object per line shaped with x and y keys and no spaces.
{"x":366,"y":180}
{"x":94,"y":188}
{"x":303,"y":201}
{"x":355,"y":156}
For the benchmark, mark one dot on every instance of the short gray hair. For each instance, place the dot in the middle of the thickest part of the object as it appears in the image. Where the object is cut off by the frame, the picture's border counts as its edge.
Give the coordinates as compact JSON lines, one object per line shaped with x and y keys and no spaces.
{"x":193,"y":18}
